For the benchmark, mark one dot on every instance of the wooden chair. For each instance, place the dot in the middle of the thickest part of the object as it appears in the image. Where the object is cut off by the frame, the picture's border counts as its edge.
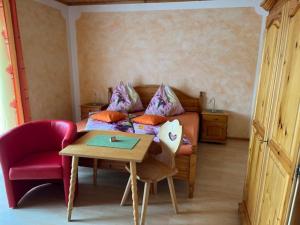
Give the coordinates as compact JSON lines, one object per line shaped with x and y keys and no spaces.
{"x":158,"y":167}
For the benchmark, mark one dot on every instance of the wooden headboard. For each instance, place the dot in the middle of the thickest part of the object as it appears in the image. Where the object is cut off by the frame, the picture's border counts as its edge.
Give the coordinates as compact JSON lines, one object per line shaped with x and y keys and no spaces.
{"x":146,"y":92}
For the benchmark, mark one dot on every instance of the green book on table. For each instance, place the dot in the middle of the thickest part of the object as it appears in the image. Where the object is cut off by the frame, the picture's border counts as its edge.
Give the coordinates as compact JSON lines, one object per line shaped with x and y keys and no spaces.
{"x":123,"y":142}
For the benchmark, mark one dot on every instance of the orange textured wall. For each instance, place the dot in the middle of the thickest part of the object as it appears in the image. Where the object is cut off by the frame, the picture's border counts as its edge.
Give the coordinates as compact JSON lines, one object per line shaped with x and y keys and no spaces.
{"x":211,"y":50}
{"x":45,"y":49}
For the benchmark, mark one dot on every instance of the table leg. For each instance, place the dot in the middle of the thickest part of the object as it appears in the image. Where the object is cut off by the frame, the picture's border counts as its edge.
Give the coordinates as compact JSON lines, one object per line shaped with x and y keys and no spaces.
{"x":72,"y":185}
{"x":95,"y":169}
{"x":135,"y":203}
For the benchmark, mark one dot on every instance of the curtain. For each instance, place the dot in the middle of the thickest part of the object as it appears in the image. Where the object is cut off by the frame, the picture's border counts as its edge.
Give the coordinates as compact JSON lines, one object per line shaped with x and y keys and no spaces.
{"x":14,"y":101}
{"x":8,"y":106}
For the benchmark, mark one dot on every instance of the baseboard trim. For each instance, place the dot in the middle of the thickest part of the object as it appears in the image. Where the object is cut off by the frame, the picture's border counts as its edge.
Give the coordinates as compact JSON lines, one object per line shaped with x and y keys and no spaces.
{"x":239,"y":138}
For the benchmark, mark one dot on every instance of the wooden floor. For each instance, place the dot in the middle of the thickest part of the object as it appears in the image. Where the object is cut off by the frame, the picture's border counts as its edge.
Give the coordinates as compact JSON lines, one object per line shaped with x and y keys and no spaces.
{"x":220,"y":177}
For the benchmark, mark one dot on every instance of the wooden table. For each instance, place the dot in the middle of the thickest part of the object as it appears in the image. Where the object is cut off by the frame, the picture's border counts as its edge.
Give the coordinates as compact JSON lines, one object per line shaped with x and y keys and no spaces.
{"x":80,"y":149}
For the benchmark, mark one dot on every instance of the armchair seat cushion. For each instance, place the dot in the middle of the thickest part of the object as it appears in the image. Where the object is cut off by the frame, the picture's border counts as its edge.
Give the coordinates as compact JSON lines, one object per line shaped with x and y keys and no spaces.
{"x":38,"y":165}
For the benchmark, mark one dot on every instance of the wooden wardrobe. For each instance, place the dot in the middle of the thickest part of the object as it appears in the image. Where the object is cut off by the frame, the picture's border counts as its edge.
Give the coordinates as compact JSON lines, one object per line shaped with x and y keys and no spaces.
{"x":274,"y":144}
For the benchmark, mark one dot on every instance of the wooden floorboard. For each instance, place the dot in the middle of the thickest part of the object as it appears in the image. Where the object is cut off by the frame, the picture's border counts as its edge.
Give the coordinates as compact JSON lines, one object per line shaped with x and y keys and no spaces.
{"x":219,"y":184}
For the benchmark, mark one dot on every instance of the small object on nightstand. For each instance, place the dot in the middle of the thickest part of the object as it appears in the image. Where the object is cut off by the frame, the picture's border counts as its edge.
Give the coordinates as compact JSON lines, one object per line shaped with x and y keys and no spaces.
{"x":214,"y":126}
{"x":86,"y":109}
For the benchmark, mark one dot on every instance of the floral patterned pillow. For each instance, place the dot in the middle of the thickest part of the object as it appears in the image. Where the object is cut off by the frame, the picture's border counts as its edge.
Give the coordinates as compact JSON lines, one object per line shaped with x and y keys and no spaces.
{"x":136,"y":103}
{"x":164,"y":103}
{"x":125,"y":99}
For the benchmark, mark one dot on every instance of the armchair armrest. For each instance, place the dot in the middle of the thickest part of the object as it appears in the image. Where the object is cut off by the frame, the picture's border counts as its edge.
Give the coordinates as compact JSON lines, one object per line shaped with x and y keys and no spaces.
{"x":70,"y":135}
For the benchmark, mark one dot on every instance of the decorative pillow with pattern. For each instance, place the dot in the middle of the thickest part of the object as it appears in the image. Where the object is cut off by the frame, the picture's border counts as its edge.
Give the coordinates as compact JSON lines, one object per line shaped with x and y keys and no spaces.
{"x":125,"y":99}
{"x":164,"y":103}
{"x":136,"y":103}
{"x":120,"y":100}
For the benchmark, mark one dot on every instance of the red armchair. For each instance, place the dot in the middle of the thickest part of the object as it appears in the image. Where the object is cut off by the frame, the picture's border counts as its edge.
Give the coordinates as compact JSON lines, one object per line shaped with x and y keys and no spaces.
{"x":29,"y":157}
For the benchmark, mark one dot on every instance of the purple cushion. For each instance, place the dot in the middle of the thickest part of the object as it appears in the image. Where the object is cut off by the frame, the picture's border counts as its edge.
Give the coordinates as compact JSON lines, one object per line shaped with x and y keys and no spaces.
{"x":125,"y":99}
{"x":122,"y":125}
{"x":164,"y":103}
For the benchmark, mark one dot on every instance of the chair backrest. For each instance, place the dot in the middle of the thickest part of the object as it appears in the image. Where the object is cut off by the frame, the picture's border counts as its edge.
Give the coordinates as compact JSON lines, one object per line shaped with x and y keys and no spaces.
{"x":35,"y":136}
{"x":170,"y":136}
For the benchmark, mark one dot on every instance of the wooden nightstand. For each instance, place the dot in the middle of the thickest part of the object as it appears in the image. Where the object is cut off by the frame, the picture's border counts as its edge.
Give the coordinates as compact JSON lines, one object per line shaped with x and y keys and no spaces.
{"x":214,"y":126}
{"x":91,"y":107}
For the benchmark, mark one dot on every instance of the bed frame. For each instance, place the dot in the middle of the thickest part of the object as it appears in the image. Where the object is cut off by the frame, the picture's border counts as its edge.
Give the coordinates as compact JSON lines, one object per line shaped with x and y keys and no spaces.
{"x":186,"y":164}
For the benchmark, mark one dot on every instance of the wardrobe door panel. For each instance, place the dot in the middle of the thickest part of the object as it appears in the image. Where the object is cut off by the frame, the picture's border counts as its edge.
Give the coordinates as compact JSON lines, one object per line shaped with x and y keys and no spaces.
{"x":264,"y":104}
{"x":284,"y":134}
{"x":267,"y":76}
{"x":285,"y":125}
{"x":275,"y":192}
{"x":256,"y":178}
{"x":252,"y":186}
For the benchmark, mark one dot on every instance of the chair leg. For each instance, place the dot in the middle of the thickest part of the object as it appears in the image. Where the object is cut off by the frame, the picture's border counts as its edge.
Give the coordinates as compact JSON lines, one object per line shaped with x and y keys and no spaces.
{"x":153,"y":188}
{"x":95,"y":169}
{"x":126,"y":192}
{"x":173,"y":194}
{"x":145,"y":202}
{"x":192,"y":174}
